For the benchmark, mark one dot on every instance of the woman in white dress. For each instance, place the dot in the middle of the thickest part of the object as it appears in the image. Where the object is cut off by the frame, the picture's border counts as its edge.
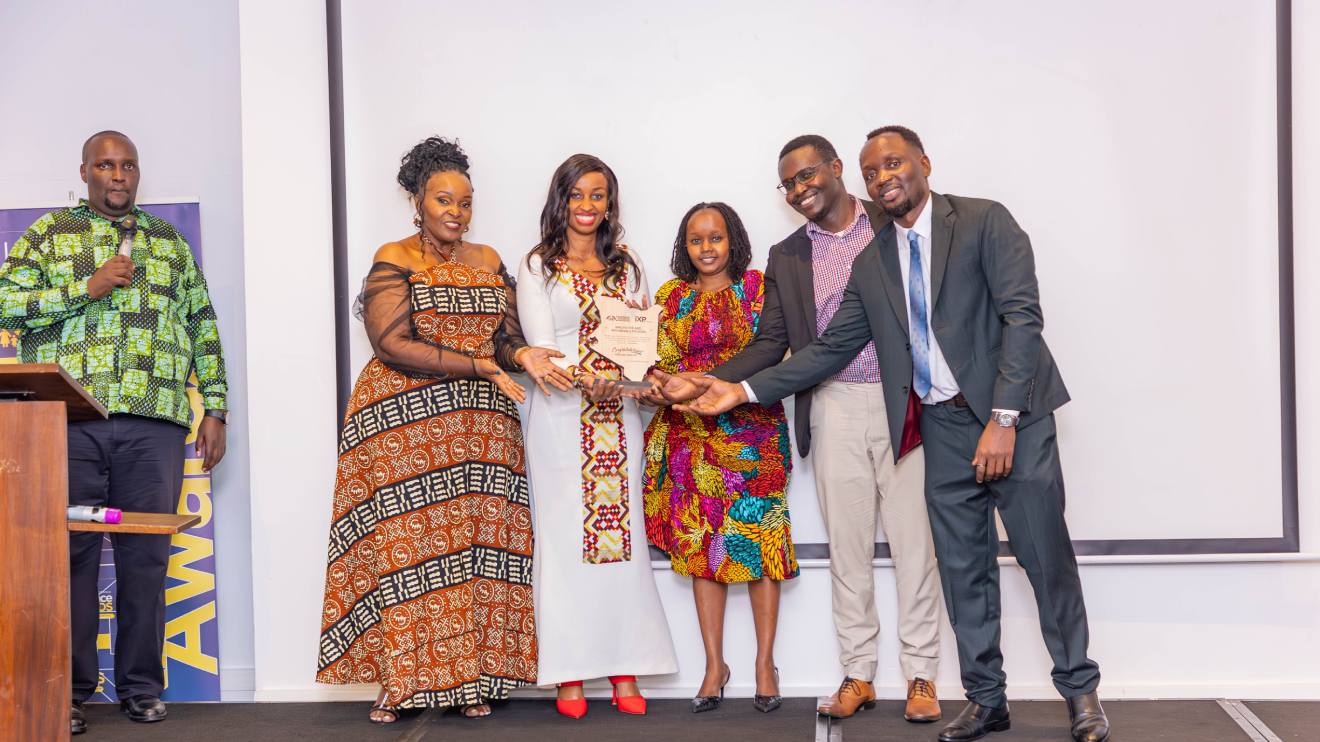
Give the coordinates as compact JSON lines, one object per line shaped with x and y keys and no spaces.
{"x":598,"y":612}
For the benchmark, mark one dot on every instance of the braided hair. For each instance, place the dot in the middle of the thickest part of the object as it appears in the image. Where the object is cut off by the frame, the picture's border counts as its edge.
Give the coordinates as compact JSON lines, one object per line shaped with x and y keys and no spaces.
{"x":740,"y":245}
{"x":430,"y":156}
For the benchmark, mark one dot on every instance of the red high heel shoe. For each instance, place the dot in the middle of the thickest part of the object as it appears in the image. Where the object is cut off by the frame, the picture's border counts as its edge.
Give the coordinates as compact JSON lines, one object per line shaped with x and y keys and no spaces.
{"x":627,"y":704}
{"x":573,"y":708}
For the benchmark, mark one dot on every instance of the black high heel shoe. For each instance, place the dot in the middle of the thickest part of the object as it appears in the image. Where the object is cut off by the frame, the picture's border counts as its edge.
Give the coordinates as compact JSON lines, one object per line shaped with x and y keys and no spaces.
{"x":766,"y":704}
{"x":710,"y":703}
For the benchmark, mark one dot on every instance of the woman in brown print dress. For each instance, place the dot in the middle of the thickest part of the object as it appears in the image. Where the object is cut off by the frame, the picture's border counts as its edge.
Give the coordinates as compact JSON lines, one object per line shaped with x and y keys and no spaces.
{"x":428,"y":589}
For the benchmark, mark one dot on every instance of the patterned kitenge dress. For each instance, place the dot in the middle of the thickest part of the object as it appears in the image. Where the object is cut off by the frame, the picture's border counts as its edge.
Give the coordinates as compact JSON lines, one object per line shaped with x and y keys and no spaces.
{"x":428,"y":590}
{"x":714,"y":487}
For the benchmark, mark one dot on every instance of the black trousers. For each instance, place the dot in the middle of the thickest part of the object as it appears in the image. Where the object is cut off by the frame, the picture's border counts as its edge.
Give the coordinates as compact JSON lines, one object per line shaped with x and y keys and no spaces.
{"x":1030,"y":502}
{"x":131,"y":463}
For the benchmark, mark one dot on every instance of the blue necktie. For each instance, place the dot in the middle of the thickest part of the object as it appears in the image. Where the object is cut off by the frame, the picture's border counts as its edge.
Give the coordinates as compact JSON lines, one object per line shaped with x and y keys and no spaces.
{"x":917,"y":319}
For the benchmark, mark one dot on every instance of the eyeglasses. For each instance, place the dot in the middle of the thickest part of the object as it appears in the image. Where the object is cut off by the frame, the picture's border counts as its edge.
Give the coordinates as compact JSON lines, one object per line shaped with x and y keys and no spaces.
{"x":803,"y":176}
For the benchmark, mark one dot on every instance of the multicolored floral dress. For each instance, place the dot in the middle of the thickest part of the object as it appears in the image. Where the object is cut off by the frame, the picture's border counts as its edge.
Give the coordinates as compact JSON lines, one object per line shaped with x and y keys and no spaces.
{"x":428,"y":588}
{"x":714,"y":487}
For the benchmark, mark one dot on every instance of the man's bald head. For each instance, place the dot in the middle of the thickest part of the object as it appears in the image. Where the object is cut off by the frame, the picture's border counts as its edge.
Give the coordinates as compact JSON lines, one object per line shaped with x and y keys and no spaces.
{"x":89,"y":146}
{"x":110,"y":170}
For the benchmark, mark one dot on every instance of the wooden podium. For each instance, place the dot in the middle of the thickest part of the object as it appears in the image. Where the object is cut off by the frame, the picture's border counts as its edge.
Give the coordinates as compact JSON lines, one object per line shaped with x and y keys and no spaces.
{"x":36,"y":403}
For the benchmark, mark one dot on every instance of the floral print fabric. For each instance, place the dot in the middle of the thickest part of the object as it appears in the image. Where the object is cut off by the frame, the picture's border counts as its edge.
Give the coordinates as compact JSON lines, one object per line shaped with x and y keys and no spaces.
{"x":714,"y":487}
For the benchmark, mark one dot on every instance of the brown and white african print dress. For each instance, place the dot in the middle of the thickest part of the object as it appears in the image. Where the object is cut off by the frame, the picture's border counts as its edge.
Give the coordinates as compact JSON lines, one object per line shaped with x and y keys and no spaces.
{"x":428,"y":590}
{"x":598,"y":612}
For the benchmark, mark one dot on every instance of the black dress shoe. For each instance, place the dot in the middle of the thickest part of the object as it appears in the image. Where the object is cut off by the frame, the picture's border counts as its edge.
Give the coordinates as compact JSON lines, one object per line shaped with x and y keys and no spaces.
{"x":766,"y":704}
{"x":975,"y":722}
{"x":77,"y":719}
{"x":706,"y":703}
{"x":1089,"y":723}
{"x":710,"y":703}
{"x":145,"y":709}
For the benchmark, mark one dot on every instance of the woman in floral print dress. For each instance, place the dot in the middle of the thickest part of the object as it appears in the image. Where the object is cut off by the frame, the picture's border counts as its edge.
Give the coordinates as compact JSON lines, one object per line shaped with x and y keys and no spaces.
{"x":714,"y":486}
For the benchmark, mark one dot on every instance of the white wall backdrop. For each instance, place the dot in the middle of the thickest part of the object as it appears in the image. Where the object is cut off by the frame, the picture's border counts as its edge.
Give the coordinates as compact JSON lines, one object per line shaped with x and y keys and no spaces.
{"x":1241,"y":629}
{"x":1109,"y":141}
{"x":287,"y":233}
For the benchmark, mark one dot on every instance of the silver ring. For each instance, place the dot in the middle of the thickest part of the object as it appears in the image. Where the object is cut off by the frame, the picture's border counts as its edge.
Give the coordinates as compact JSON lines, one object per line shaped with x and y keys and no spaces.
{"x":980,"y":466}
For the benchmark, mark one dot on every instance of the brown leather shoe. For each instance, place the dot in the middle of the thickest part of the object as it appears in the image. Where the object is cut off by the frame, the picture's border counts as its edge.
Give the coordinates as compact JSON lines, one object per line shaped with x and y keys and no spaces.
{"x":851,"y":695}
{"x":923,"y":706}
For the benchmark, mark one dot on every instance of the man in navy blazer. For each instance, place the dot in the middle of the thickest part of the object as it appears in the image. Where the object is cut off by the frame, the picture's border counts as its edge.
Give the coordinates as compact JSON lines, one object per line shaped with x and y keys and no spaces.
{"x":948,"y":292}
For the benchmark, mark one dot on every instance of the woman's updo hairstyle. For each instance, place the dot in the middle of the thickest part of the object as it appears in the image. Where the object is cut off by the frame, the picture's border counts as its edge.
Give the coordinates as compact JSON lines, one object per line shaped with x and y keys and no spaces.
{"x":430,"y":156}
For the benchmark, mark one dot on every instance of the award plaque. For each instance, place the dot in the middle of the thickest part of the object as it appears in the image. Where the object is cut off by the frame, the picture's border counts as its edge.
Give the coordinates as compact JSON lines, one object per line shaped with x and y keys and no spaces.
{"x":628,"y":337}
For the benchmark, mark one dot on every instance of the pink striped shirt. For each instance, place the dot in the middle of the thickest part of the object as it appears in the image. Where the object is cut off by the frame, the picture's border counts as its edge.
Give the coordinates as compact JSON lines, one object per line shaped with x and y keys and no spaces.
{"x":832,"y":257}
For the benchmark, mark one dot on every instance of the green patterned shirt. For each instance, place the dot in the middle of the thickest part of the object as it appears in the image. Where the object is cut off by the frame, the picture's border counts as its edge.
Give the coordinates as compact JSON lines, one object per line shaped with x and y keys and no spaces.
{"x":134,"y":347}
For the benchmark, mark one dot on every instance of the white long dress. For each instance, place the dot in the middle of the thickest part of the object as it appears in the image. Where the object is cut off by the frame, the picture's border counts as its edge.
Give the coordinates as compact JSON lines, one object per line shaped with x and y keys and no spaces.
{"x":597,"y":609}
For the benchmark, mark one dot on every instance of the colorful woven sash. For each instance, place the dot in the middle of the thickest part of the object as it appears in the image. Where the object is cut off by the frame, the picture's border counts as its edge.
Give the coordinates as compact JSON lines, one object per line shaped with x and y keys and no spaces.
{"x":605,"y":514}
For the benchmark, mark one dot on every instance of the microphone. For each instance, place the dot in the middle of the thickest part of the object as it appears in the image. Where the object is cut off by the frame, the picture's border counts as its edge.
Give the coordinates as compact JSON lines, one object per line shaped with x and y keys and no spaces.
{"x":127,"y":229}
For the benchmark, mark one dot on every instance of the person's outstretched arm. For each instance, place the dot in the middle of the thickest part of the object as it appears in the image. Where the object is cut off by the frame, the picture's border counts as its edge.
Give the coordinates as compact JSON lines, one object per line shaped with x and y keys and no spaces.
{"x":848,"y":332}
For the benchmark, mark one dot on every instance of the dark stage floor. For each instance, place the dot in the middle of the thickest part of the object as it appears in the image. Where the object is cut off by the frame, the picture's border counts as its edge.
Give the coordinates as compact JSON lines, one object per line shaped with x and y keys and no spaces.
{"x":670,"y":721}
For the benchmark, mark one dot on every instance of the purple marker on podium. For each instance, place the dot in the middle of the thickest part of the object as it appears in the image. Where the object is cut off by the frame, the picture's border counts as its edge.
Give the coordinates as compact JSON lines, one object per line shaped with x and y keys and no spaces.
{"x":92,"y":514}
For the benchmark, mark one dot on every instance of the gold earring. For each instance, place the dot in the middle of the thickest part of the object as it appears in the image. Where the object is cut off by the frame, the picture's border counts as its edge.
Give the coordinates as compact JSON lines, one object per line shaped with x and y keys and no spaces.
{"x":417,"y":221}
{"x":466,"y":228}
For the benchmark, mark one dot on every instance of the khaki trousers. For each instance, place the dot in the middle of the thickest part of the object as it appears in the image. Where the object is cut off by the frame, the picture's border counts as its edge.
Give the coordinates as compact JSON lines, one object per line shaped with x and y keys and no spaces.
{"x":857,"y":481}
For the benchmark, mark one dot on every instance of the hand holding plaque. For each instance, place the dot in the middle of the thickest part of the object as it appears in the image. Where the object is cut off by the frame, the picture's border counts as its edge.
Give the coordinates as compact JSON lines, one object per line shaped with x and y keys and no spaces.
{"x":628,"y":337}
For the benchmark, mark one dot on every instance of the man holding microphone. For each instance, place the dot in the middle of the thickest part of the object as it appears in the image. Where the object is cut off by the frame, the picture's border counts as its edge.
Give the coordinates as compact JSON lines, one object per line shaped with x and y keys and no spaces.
{"x":113,"y":295}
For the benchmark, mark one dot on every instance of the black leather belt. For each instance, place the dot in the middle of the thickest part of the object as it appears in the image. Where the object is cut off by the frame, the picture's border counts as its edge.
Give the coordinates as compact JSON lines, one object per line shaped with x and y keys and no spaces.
{"x":957,"y":400}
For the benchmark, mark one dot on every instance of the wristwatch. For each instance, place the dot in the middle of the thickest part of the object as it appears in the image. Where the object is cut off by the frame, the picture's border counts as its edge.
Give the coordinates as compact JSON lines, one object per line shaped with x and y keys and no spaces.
{"x":221,"y":414}
{"x":1004,"y":419}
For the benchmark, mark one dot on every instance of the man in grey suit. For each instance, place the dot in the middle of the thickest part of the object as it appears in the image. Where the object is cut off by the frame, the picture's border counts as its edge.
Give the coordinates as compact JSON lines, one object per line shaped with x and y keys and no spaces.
{"x":948,"y":293}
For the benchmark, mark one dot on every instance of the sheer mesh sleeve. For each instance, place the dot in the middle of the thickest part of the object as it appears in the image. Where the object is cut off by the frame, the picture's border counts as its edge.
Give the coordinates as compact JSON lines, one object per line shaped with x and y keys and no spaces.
{"x":509,"y":337}
{"x":385,"y":306}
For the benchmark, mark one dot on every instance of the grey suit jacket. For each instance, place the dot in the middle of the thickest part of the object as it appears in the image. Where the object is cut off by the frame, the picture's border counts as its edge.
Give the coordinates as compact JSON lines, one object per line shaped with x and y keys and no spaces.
{"x":985,"y":313}
{"x":788,"y":319}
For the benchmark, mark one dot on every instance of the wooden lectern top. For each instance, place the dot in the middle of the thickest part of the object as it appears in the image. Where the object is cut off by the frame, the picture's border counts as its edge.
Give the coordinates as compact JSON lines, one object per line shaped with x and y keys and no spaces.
{"x":48,"y":382}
